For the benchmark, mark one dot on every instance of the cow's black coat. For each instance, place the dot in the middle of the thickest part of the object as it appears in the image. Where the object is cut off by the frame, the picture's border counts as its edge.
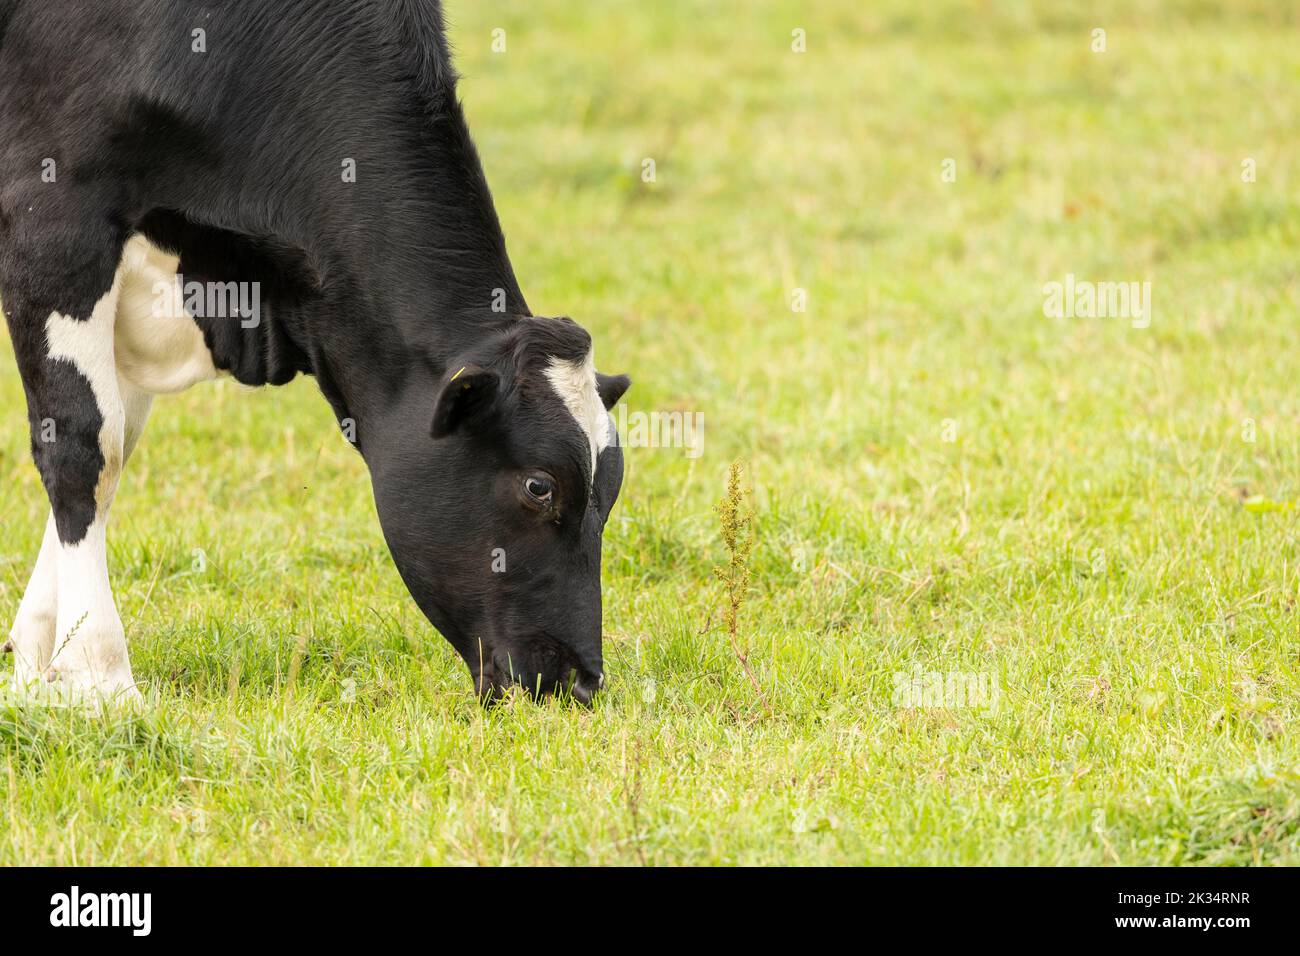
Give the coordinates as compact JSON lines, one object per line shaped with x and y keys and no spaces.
{"x":382,"y":288}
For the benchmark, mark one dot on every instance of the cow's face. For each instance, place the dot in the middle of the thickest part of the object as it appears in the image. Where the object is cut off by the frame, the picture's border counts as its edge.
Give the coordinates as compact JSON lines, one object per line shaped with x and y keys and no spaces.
{"x":495,"y":513}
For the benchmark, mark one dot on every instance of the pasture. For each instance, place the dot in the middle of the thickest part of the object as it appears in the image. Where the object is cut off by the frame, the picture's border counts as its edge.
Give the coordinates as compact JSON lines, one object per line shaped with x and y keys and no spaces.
{"x":1075,"y":537}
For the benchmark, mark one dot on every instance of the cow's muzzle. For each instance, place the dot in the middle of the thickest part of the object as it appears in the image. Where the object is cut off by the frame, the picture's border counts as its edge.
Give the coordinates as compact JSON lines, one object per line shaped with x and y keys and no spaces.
{"x":497,"y":679}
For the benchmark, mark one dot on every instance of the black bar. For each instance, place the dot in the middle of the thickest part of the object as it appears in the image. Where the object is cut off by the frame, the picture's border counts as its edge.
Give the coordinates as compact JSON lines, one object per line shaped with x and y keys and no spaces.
{"x":342,"y":906}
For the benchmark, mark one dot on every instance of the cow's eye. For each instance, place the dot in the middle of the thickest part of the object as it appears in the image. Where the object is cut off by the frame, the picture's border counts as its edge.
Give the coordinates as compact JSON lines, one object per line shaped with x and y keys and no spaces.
{"x":540,"y":489}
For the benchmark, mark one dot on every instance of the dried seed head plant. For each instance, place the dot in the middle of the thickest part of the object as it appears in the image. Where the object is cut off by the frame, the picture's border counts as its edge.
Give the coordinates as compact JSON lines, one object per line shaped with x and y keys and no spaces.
{"x":736,"y":520}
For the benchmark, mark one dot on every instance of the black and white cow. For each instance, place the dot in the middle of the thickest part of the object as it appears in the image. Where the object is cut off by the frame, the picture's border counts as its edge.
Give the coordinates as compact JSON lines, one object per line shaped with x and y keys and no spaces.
{"x":315,"y":150}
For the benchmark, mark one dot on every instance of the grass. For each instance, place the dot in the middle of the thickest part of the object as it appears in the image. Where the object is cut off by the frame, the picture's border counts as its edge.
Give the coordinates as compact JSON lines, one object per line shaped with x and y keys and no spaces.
{"x":944,"y":479}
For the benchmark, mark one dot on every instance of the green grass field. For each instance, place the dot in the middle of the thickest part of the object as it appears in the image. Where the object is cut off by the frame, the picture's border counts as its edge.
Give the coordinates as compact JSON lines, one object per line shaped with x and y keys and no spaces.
{"x":1089,"y":519}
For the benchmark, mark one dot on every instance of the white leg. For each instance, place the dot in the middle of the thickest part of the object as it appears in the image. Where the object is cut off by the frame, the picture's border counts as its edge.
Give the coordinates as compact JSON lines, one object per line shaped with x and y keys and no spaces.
{"x":89,"y":660}
{"x":90,"y":656}
{"x":33,"y":635}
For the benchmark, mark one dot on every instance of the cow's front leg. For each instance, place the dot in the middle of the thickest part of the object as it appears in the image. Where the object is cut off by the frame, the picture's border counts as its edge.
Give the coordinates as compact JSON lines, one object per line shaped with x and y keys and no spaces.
{"x":78,"y":416}
{"x":32,"y":637}
{"x":89,"y":659}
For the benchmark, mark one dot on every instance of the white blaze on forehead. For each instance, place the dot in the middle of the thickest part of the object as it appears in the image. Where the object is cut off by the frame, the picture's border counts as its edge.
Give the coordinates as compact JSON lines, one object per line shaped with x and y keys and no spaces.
{"x":575,"y":383}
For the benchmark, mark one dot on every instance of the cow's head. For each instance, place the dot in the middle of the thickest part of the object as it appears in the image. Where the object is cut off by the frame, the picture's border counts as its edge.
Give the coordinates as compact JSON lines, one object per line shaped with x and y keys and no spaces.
{"x":494,"y":512}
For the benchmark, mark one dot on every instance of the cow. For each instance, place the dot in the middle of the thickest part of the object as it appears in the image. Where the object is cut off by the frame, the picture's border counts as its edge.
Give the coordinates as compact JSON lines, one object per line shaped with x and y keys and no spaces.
{"x":316,"y":152}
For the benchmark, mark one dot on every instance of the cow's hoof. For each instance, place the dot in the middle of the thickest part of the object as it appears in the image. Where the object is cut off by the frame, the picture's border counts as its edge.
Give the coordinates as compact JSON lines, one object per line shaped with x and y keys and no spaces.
{"x":95,"y":691}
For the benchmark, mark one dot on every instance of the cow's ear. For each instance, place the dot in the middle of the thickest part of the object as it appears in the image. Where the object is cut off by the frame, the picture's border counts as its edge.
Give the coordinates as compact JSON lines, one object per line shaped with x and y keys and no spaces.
{"x":466,"y":395}
{"x":611,"y":388}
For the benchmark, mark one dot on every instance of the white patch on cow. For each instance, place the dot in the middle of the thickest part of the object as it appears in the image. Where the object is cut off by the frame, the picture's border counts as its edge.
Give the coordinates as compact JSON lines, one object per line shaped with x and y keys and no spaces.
{"x":575,"y":383}
{"x":159,"y":348}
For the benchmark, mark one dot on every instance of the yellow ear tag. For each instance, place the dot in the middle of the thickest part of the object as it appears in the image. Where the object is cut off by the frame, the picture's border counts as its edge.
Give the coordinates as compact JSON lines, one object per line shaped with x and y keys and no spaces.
{"x":457,"y":375}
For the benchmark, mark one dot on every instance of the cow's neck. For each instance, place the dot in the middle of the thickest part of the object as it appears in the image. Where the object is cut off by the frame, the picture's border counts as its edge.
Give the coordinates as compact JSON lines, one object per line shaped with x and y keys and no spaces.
{"x":421,"y":280}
